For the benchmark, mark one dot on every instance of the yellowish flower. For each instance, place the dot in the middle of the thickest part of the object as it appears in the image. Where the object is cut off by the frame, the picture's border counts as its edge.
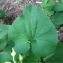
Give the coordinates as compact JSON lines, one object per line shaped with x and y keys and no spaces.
{"x":13,"y":53}
{"x":20,"y":57}
{"x":7,"y":62}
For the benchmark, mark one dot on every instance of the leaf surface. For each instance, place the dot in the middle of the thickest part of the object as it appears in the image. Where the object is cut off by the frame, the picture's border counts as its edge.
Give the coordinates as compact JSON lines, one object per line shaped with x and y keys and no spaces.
{"x":57,"y":19}
{"x":33,"y":31}
{"x":5,"y":57}
{"x":3,"y":36}
{"x":58,"y":56}
{"x":58,"y":6}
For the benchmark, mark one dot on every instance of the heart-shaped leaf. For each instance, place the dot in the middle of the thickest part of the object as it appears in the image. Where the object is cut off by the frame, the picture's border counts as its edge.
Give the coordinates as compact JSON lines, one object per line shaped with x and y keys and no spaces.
{"x":33,"y":31}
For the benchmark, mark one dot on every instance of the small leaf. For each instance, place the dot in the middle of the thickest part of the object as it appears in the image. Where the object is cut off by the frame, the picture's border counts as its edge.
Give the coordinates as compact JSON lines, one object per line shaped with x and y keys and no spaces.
{"x":4,"y":57}
{"x":61,"y":1}
{"x":58,"y":56}
{"x":31,"y":59}
{"x":3,"y":36}
{"x":58,"y":6}
{"x":47,"y":7}
{"x":9,"y":46}
{"x":48,"y":4}
{"x":2,"y":14}
{"x":49,"y":13}
{"x":57,"y":19}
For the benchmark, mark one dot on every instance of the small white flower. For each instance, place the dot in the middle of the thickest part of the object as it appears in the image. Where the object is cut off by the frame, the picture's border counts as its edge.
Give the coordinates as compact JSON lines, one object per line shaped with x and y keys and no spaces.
{"x":38,"y":2}
{"x":13,"y":53}
{"x":57,"y":1}
{"x":7,"y":62}
{"x":20,"y":57}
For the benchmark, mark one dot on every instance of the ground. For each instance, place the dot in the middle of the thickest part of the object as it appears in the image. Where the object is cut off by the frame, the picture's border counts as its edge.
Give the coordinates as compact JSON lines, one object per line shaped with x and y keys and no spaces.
{"x":14,"y":8}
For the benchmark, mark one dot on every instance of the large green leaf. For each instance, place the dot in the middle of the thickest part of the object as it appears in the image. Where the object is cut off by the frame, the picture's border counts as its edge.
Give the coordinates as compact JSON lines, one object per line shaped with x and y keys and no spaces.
{"x":58,"y":6}
{"x":33,"y":31}
{"x":5,"y":57}
{"x":3,"y":36}
{"x":57,"y":19}
{"x":58,"y":56}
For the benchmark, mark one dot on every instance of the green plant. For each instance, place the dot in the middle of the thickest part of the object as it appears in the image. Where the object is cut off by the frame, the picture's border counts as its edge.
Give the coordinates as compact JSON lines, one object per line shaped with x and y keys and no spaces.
{"x":54,"y":10}
{"x":57,"y":20}
{"x":32,"y":35}
{"x":58,"y":56}
{"x":47,"y":6}
{"x":2,"y":14}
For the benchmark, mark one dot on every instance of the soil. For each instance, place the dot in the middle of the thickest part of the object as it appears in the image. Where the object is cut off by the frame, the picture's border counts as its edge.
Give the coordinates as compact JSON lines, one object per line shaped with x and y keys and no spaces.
{"x":14,"y":8}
